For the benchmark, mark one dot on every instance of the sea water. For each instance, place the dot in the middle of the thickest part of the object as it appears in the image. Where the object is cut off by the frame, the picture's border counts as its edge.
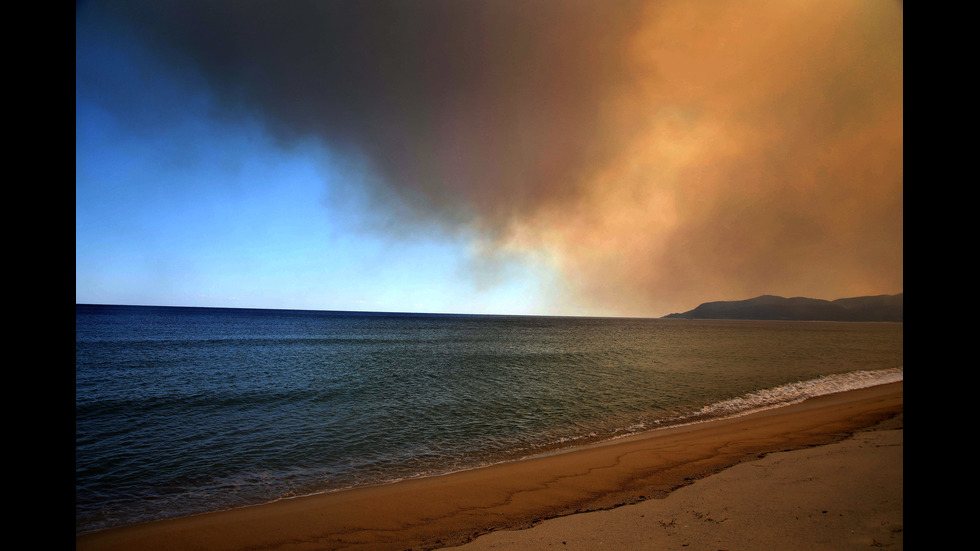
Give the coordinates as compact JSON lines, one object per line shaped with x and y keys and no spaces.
{"x":186,"y":410}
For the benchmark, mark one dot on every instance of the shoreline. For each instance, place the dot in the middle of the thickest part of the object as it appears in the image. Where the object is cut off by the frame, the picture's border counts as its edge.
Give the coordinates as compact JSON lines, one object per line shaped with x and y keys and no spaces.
{"x":455,"y":508}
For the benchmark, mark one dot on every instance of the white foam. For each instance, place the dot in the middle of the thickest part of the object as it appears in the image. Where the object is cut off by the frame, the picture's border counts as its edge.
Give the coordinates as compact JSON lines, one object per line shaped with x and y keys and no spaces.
{"x":801,"y":390}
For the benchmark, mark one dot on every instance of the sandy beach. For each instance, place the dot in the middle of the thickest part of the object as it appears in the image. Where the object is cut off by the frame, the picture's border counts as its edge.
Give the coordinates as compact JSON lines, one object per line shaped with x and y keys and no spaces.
{"x":846,"y":495}
{"x":812,"y":475}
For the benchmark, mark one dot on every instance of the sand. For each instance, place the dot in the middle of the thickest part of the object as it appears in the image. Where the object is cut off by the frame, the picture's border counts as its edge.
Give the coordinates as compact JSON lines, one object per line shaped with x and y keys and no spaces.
{"x":840,"y":496}
{"x":728,"y":484}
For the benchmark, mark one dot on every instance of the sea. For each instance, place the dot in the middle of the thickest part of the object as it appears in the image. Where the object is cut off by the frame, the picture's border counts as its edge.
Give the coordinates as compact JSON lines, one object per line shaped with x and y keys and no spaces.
{"x":182,"y":410}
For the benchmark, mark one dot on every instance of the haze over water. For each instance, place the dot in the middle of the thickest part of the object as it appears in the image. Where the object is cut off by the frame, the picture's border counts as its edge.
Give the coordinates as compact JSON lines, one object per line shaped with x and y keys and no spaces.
{"x":185,"y":410}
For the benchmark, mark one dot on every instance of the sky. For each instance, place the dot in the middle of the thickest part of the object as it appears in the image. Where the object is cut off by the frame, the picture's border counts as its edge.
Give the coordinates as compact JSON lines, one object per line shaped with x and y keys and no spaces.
{"x":542,"y":157}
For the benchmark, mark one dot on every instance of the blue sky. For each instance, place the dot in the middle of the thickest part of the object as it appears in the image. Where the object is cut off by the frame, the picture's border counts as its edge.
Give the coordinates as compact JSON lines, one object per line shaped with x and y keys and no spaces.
{"x":177,"y":205}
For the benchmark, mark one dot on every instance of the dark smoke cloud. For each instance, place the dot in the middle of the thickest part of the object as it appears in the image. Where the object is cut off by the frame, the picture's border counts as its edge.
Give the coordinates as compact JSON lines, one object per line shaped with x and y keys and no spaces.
{"x":658,"y":153}
{"x":477,"y":108}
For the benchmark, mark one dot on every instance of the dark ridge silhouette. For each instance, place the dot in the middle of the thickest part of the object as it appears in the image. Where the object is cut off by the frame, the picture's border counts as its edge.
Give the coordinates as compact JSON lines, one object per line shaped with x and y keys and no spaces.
{"x":770,"y":307}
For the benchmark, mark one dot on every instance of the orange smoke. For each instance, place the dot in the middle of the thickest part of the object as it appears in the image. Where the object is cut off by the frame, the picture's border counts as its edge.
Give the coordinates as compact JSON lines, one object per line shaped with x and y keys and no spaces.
{"x":763,"y":154}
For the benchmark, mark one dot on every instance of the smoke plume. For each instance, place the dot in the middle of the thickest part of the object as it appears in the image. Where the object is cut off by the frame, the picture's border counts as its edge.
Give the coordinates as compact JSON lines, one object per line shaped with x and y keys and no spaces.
{"x":657,"y":153}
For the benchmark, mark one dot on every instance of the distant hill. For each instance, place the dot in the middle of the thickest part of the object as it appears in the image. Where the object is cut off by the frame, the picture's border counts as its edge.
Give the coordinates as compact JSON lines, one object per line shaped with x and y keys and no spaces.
{"x":770,"y":307}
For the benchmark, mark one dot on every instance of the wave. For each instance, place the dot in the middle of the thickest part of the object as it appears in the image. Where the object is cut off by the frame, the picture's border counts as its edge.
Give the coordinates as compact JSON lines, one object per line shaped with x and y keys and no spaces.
{"x":799,"y":391}
{"x":756,"y":401}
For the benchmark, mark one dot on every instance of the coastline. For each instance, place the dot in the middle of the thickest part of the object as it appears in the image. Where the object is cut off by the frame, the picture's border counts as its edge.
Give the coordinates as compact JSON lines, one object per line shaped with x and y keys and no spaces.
{"x":452,"y":509}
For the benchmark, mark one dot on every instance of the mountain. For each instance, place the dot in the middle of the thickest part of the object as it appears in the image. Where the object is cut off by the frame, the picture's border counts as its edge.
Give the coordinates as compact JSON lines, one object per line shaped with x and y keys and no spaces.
{"x":770,"y":307}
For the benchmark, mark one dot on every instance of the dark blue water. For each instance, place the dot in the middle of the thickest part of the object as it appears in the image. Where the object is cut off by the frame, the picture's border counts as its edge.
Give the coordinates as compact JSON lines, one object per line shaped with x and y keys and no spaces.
{"x":186,"y":410}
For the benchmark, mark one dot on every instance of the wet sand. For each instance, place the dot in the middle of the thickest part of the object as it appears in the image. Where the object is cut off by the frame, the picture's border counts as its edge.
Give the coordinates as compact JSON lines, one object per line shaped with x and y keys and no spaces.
{"x":757,"y":497}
